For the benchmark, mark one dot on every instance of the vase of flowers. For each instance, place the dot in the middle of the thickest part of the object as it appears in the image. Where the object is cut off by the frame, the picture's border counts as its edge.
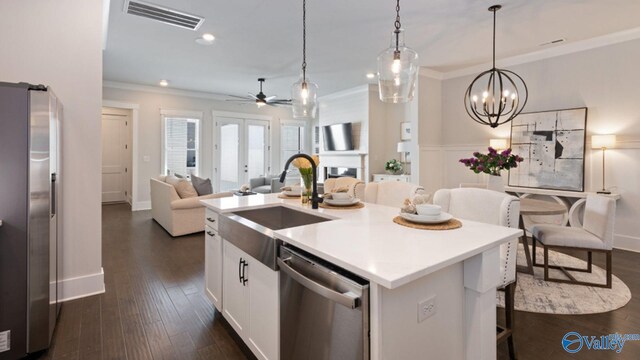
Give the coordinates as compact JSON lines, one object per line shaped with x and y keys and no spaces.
{"x":306,"y":176}
{"x":393,"y":167}
{"x":492,"y":164}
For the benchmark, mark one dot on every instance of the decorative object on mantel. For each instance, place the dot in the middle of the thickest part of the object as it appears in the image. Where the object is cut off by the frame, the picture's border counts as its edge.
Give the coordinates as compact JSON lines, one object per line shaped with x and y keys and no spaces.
{"x":504,"y":93}
{"x":492,"y":163}
{"x":397,"y":67}
{"x":306,"y":175}
{"x":603,"y":142}
{"x":393,"y":167}
{"x":303,"y":92}
{"x":535,"y":295}
{"x":553,"y":146}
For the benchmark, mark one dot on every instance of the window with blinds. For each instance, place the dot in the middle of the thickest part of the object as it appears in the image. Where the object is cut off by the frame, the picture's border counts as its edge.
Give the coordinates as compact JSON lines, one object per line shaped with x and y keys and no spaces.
{"x":181,"y":146}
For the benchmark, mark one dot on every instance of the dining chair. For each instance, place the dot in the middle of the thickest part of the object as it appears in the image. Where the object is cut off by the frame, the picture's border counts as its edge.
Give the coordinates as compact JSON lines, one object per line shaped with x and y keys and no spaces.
{"x":391,"y":193}
{"x":596,"y":235}
{"x":490,"y":207}
{"x":356,"y":187}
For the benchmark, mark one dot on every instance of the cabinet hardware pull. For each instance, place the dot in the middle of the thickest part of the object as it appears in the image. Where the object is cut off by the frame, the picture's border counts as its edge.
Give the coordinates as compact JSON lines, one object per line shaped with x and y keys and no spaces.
{"x":244,"y":278}
{"x":210,"y":233}
{"x":240,"y":270}
{"x":211,"y":219}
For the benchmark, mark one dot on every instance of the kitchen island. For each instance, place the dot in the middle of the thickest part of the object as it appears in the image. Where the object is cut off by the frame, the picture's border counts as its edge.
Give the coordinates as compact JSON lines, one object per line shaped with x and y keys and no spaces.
{"x":450,"y":276}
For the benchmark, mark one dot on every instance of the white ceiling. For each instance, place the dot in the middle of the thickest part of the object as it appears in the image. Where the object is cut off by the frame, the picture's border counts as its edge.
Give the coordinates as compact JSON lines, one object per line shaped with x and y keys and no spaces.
{"x":257,"y":38}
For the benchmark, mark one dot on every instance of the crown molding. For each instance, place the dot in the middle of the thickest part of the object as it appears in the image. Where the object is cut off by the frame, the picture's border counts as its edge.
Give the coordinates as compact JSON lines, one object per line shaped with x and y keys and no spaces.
{"x":161,"y":90}
{"x":430,"y":73}
{"x":570,"y":48}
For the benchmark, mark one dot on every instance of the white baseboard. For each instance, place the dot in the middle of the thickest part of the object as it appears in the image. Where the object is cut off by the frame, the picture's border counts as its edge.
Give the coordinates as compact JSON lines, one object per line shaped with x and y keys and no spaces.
{"x":141,"y":205}
{"x":82,"y":286}
{"x":624,"y":242}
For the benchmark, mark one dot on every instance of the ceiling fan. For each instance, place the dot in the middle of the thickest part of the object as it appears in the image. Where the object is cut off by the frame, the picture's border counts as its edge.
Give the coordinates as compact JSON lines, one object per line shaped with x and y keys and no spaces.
{"x":261,"y":99}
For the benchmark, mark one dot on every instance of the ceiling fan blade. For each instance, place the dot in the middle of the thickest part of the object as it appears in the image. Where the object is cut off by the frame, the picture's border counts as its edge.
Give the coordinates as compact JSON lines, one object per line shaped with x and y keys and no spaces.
{"x":253,"y":96}
{"x":248,"y":101}
{"x":270,"y":98}
{"x":236,"y":96}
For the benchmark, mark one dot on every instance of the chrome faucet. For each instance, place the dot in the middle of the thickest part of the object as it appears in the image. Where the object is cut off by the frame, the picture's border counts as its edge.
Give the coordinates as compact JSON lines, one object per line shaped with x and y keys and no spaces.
{"x":315,"y":199}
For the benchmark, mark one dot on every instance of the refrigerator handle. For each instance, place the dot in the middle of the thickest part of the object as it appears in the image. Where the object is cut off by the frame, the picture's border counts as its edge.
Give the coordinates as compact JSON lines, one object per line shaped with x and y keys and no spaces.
{"x":53,"y":194}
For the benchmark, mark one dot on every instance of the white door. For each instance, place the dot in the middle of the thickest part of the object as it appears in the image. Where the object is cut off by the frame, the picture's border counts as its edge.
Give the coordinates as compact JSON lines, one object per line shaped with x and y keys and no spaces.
{"x":243,"y":151}
{"x":114,"y":157}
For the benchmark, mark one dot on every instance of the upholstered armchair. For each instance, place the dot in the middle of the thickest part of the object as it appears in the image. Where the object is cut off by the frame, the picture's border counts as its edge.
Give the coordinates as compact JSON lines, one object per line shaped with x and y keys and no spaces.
{"x":596,"y":235}
{"x":496,"y":208}
{"x":266,"y":184}
{"x":356,"y":187}
{"x":391,"y":193}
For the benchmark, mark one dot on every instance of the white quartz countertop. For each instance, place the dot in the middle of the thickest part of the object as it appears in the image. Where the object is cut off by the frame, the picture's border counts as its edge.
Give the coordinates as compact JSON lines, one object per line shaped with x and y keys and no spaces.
{"x":368,"y":243}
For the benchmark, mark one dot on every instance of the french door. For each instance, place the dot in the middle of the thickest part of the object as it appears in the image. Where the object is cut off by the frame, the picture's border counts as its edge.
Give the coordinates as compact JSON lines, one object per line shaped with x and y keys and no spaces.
{"x":243,"y":148}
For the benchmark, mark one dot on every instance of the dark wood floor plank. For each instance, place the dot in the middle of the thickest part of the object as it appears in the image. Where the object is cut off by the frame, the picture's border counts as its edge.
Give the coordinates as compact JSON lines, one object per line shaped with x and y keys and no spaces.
{"x":90,"y":346}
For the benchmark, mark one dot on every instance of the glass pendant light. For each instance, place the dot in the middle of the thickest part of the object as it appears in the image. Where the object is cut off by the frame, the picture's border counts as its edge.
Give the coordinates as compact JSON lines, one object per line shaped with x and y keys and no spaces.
{"x":397,"y":67}
{"x":304,"y":93}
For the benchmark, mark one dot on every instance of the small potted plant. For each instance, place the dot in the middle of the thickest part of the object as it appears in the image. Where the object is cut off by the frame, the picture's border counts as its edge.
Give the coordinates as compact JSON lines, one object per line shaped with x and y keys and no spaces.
{"x":492,"y":163}
{"x":393,"y":167}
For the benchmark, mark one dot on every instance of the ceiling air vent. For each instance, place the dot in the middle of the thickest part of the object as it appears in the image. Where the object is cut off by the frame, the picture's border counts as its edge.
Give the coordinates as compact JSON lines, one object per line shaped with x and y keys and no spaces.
{"x":553,"y":42}
{"x":163,"y":14}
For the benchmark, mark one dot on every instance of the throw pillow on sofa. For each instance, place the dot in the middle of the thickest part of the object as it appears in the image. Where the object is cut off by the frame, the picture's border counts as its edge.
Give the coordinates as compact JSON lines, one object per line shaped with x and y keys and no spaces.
{"x":203,"y":186}
{"x":183,"y":187}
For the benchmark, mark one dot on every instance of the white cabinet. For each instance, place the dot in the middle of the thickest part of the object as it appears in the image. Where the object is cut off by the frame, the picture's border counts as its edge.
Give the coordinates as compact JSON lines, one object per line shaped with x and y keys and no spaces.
{"x":386,"y":177}
{"x":213,"y":266}
{"x":251,"y":301}
{"x":235,"y":291}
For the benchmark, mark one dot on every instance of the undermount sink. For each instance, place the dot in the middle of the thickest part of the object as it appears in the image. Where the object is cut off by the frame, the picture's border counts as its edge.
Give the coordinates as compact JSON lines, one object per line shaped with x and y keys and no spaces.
{"x":252,"y":230}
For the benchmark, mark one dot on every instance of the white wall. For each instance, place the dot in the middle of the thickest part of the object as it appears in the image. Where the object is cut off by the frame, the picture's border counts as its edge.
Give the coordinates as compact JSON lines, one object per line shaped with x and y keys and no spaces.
{"x":603,"y":79}
{"x":59,"y":44}
{"x":148,"y":142}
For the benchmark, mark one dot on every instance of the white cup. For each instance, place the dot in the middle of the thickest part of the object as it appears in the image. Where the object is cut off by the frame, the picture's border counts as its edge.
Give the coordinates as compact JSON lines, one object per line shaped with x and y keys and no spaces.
{"x":428,"y":210}
{"x":340,"y":196}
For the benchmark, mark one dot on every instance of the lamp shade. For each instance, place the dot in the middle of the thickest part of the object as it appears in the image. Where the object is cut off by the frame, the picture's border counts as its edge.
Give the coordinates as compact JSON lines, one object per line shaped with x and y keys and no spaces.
{"x":602,"y":141}
{"x":403,"y":146}
{"x":499,"y":144}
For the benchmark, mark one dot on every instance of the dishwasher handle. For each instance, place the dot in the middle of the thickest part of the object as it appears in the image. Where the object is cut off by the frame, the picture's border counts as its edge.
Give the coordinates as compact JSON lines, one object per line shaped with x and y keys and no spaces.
{"x":347,"y":299}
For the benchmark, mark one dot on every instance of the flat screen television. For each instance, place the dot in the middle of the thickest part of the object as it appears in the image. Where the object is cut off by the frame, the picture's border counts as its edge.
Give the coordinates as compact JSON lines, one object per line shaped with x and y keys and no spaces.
{"x":338,"y":137}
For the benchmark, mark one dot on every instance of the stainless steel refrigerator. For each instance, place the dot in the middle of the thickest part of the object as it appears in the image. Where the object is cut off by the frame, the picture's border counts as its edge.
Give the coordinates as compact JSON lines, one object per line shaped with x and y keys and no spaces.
{"x":30,"y":117}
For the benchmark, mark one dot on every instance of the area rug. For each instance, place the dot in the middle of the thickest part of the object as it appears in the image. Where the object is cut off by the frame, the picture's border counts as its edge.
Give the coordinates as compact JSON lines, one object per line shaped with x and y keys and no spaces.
{"x":533,"y":294}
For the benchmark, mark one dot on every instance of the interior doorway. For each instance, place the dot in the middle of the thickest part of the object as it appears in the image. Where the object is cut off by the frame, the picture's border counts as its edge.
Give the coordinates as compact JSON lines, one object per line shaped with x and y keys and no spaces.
{"x":117,"y":159}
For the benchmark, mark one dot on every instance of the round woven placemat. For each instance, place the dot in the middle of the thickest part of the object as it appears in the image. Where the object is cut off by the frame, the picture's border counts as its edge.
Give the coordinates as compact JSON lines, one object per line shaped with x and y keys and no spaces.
{"x":283,"y":196}
{"x":359,"y":205}
{"x":449,"y":225}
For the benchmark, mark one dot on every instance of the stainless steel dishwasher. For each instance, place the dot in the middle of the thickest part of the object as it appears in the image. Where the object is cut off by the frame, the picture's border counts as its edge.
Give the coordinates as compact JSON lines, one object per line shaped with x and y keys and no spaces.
{"x":324,"y":310}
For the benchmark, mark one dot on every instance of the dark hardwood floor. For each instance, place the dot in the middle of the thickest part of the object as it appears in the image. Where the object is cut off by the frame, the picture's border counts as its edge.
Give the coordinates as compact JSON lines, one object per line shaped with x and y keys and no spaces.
{"x":155,"y":308}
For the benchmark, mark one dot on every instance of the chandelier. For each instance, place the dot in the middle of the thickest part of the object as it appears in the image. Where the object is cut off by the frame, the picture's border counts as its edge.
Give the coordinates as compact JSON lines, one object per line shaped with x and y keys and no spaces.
{"x":496,"y":96}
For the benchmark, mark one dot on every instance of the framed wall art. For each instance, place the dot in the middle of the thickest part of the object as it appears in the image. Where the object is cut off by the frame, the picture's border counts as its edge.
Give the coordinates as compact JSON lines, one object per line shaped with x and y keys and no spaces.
{"x":552,"y":144}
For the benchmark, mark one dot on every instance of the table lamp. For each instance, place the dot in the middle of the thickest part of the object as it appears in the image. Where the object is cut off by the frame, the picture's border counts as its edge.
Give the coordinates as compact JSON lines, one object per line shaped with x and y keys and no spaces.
{"x":603,"y":142}
{"x":499,"y":144}
{"x":404,"y":148}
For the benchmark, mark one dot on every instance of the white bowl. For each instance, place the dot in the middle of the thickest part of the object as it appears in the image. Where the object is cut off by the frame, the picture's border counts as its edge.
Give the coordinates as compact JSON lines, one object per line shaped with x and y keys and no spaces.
{"x":429,"y":210}
{"x":340,"y":196}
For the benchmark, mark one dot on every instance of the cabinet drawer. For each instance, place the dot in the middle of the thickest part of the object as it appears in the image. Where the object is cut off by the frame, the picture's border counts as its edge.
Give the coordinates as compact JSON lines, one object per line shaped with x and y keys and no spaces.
{"x":210,"y":231}
{"x":211,"y":219}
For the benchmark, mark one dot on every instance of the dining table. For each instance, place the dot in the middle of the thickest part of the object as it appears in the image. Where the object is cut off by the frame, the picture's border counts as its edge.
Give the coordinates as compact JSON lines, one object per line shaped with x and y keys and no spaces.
{"x":534,"y":207}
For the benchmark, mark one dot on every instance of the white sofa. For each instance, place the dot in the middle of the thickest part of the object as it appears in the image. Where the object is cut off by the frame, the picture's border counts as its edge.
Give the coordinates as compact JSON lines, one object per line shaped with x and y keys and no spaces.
{"x":178,"y":216}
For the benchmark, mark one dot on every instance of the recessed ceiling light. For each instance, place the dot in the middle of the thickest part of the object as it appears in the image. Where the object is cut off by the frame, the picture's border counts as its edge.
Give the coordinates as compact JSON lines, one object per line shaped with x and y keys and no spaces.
{"x":371,"y":75}
{"x":206,"y":39}
{"x":164,"y":83}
